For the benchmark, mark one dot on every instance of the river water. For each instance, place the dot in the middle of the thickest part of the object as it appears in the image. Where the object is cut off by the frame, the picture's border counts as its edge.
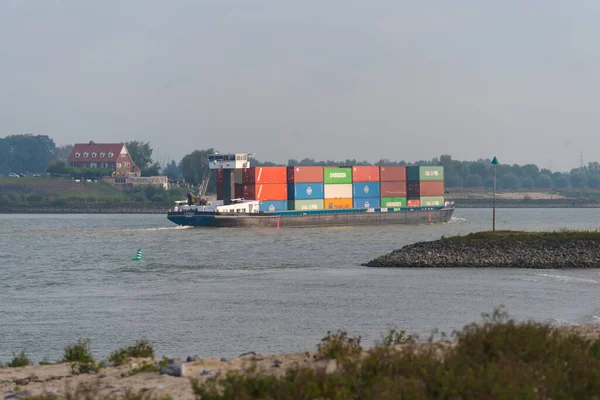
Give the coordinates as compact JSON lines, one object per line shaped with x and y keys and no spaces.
{"x":221,"y":292}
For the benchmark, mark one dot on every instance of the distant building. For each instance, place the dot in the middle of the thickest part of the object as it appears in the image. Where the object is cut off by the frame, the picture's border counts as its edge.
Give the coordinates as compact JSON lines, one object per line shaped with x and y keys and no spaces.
{"x":104,"y":155}
{"x":127,"y":183}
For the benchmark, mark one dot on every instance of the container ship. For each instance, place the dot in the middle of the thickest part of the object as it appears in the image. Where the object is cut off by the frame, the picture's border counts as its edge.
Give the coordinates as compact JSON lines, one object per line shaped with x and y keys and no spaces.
{"x":315,"y":196}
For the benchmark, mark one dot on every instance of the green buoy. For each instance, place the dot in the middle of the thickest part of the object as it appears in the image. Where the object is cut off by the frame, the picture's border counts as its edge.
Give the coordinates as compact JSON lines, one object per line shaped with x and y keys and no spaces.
{"x":138,"y":256}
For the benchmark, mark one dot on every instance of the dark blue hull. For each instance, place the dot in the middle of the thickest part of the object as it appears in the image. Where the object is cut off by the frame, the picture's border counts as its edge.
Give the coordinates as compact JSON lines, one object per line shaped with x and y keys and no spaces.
{"x":316,"y":218}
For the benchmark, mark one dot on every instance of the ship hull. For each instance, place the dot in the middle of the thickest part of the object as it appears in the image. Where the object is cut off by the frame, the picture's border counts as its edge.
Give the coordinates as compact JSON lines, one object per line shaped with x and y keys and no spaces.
{"x":321,"y":218}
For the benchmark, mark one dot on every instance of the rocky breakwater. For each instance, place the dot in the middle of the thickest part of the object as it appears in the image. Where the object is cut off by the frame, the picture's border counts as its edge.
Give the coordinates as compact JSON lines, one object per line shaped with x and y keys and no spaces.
{"x":501,"y":249}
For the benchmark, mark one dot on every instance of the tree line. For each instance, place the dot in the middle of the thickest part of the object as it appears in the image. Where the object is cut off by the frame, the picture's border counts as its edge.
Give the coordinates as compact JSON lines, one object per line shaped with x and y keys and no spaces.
{"x":39,"y":154}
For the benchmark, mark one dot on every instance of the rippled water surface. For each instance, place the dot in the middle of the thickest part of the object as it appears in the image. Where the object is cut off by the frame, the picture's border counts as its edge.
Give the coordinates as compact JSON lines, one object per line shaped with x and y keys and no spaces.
{"x":220,"y":292}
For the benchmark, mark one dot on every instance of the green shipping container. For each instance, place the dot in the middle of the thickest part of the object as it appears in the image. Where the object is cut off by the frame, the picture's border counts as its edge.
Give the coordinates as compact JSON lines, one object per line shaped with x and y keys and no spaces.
{"x":425,"y":173}
{"x":393,"y":202}
{"x":432,"y":201}
{"x":337,"y":175}
{"x":305,"y":205}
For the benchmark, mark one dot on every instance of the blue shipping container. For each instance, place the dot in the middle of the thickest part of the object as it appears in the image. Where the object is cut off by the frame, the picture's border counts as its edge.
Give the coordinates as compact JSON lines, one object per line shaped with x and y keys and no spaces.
{"x":365,"y":190}
{"x":306,"y":191}
{"x":273,"y":205}
{"x":367,"y":202}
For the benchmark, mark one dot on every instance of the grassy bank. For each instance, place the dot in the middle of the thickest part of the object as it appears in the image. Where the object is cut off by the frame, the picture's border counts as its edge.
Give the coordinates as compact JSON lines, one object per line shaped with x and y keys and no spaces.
{"x":46,"y":191}
{"x":494,"y":359}
{"x":557,"y":236}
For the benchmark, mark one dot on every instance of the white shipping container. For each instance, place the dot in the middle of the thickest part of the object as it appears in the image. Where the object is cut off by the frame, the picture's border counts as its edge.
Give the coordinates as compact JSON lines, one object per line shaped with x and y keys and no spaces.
{"x":338,"y":191}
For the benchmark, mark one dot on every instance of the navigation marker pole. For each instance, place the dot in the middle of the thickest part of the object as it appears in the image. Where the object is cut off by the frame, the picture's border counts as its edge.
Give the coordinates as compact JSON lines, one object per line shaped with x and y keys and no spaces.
{"x":138,"y":256}
{"x":494,"y":163}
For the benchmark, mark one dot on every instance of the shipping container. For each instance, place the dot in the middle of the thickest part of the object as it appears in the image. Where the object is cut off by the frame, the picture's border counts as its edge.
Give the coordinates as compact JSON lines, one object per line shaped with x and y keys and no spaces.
{"x":365,"y":190}
{"x":413,"y":203}
{"x":391,"y":173}
{"x":392,"y":189}
{"x":220,"y":191}
{"x":367,"y":202}
{"x":306,"y":191}
{"x":269,"y":191}
{"x":393,"y":202}
{"x":425,"y":173}
{"x":239,"y":190}
{"x":428,"y":201}
{"x":365,"y":174}
{"x":305,"y":205}
{"x":298,"y":174}
{"x":273,"y":205}
{"x":335,"y":175}
{"x":425,"y":188}
{"x":338,"y":203}
{"x":256,"y":175}
{"x":338,"y":191}
{"x":238,"y":175}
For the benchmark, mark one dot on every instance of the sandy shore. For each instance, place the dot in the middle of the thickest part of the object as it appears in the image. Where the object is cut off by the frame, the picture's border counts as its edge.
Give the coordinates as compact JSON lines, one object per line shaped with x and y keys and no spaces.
{"x":33,"y":380}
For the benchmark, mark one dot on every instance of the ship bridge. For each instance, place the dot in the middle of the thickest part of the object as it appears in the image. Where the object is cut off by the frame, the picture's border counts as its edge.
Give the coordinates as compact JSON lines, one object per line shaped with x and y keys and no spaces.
{"x":229,"y":161}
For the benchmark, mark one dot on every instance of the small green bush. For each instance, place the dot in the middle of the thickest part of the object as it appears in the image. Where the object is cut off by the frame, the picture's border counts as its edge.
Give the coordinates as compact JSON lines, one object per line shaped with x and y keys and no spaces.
{"x":34,"y":197}
{"x":141,"y":349}
{"x":338,"y":346}
{"x":395,"y":337}
{"x":45,"y":361}
{"x":79,"y":355}
{"x":19,"y":360}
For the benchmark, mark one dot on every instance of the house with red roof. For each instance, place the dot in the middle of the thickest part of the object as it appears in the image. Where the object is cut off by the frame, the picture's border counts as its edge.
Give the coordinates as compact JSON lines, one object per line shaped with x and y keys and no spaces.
{"x":104,"y":155}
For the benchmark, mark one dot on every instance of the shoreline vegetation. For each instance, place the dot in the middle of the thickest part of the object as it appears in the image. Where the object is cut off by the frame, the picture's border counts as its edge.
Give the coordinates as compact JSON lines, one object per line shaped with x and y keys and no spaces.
{"x":562,"y":249}
{"x":495,"y":358}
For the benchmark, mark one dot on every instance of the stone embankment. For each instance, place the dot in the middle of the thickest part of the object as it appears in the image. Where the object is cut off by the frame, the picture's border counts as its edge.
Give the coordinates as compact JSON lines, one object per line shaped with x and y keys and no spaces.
{"x":499,"y":253}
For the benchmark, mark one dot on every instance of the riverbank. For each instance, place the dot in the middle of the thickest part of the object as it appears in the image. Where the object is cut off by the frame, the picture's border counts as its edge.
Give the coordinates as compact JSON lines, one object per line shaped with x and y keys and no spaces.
{"x":479,"y":361}
{"x":86,"y":209}
{"x":500,"y":249}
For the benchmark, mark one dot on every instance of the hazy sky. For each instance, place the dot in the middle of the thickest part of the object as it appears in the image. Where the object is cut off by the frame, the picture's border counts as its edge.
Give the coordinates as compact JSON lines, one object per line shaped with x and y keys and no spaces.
{"x":324,"y":79}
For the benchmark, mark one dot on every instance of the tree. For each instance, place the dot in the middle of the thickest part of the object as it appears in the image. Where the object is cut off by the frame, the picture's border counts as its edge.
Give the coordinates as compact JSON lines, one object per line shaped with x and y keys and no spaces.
{"x":172,"y":170}
{"x":63,"y":152}
{"x":152,"y":170}
{"x":57,"y":167}
{"x":141,"y":153}
{"x":26,"y":153}
{"x":195,"y":165}
{"x":594,"y":182}
{"x":543,"y":181}
{"x":528,"y":182}
{"x":509,"y":181}
{"x":561,"y":181}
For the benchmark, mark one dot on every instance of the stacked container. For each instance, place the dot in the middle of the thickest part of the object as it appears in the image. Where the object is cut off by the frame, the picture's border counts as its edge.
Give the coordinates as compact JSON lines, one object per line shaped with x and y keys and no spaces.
{"x":425,"y":186}
{"x":392,"y":186}
{"x":337,"y":187}
{"x":365,"y":187}
{"x":267,"y":185}
{"x":238,"y":182}
{"x":305,"y":188}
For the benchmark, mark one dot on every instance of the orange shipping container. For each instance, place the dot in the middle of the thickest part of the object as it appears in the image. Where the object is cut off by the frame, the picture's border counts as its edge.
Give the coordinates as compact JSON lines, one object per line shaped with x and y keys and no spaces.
{"x":299,"y":174}
{"x":338,"y":203}
{"x":413,"y":203}
{"x":254,"y":175}
{"x":269,"y":191}
{"x":389,"y":173}
{"x":392,"y":189}
{"x":365,"y":174}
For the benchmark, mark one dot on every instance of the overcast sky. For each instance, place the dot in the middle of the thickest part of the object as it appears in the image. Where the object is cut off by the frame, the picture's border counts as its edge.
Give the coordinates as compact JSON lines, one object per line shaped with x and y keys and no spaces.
{"x":324,"y":79}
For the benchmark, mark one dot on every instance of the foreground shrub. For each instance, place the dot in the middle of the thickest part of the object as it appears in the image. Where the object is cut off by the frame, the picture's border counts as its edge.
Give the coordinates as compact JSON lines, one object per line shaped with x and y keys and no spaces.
{"x":92,"y":392}
{"x":339,"y":346}
{"x":19,"y":360}
{"x":79,"y":355}
{"x":498,"y":359}
{"x":141,"y":349}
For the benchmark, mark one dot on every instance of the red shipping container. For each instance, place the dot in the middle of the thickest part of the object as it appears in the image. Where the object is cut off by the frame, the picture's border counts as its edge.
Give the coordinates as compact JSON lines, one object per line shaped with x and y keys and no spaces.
{"x":269,"y":191}
{"x":255,"y":175}
{"x":220,"y":175}
{"x":389,"y":173}
{"x":365,"y":174}
{"x":392,"y":189}
{"x":239,"y":190}
{"x":425,"y":188}
{"x":220,"y":191}
{"x":413,"y":203}
{"x":300,"y":174}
